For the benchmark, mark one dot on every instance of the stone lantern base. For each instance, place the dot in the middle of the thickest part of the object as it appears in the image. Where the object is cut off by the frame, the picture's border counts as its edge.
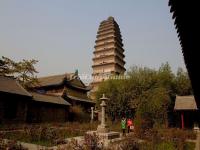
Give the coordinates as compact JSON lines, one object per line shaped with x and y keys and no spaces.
{"x":105,"y":136}
{"x":102,"y":129}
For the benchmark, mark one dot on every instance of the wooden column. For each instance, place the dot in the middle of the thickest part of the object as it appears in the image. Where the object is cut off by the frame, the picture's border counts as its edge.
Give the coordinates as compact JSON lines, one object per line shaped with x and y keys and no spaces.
{"x":182,"y":120}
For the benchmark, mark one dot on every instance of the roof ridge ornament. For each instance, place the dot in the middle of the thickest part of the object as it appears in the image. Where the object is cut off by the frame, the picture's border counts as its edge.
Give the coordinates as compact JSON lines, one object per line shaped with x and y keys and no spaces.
{"x":76,"y":72}
{"x":111,"y":18}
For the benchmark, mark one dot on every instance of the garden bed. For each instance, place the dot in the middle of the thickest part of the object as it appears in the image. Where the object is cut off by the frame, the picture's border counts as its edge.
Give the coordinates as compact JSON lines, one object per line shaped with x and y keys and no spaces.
{"x":47,"y":134}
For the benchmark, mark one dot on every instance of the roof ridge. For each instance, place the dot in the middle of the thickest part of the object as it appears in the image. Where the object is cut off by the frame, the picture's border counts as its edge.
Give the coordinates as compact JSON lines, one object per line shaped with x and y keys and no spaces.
{"x":184,"y":95}
{"x":51,"y":76}
{"x":56,"y":75}
{"x":45,"y":94}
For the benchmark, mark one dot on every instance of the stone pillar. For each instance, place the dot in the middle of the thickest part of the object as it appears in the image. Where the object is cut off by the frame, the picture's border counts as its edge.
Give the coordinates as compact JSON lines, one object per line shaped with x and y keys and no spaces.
{"x":92,"y":114}
{"x":103,"y":128}
{"x":103,"y":105}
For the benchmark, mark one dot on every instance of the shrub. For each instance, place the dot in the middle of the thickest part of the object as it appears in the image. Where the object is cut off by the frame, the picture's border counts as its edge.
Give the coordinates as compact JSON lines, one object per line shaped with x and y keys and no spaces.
{"x":174,"y":133}
{"x":129,"y":144}
{"x":41,"y":133}
{"x":167,"y":139}
{"x":90,"y":142}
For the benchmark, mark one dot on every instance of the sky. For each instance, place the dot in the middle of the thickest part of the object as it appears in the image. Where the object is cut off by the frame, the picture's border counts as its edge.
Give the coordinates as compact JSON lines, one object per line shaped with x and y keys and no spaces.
{"x":61,"y":34}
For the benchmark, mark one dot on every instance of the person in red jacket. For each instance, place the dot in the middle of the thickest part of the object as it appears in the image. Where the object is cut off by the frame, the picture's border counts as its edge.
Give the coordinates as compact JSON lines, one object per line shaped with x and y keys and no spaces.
{"x":129,"y":124}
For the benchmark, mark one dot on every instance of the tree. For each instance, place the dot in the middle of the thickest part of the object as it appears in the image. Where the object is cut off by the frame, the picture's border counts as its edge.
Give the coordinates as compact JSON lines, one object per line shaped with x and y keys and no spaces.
{"x":152,"y":109}
{"x":115,"y":90}
{"x":7,"y":66}
{"x":183,"y":85}
{"x":166,"y":78}
{"x":140,"y":80}
{"x":148,"y":92}
{"x":125,"y":95}
{"x":24,"y":71}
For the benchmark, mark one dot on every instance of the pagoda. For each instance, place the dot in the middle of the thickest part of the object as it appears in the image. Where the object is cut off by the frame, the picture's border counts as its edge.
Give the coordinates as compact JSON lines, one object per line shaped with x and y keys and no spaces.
{"x":108,"y":54}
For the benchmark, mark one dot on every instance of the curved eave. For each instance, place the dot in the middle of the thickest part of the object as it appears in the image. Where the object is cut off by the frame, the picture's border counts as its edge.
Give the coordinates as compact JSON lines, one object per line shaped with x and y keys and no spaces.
{"x":104,"y":64}
{"x":81,"y":99}
{"x":107,"y":56}
{"x":107,"y":49}
{"x":116,"y":38}
{"x":119,"y":43}
{"x":86,"y":88}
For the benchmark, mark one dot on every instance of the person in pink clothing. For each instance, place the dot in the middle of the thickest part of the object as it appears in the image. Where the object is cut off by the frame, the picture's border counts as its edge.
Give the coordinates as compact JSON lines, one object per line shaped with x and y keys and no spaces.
{"x":129,"y":124}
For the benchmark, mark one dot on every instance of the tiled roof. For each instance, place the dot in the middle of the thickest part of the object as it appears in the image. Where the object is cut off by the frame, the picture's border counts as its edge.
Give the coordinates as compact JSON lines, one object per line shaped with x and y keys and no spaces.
{"x":80,"y":99}
{"x":185,"y":103}
{"x":54,"y":80}
{"x":70,"y":78}
{"x":49,"y":98}
{"x":10,"y":85}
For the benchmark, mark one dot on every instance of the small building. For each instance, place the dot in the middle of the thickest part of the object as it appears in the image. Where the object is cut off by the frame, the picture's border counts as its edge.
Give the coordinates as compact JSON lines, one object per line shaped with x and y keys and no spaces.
{"x":69,"y":86}
{"x":18,"y":105}
{"x":48,"y":101}
{"x":187,"y":112}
